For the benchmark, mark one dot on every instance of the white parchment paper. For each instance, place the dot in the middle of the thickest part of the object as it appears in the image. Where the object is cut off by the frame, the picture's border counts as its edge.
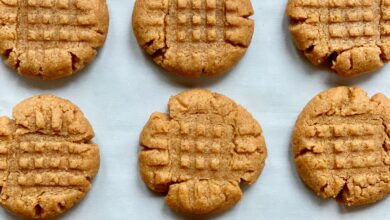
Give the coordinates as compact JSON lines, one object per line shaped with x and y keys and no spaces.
{"x":122,"y":87}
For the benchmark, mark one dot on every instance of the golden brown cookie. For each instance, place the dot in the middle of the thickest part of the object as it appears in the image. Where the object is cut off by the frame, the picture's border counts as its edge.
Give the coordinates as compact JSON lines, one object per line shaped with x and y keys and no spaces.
{"x":47,"y":159}
{"x":352,"y":36}
{"x":194,"y":37}
{"x":341,"y":145}
{"x":51,"y":38}
{"x":201,"y":151}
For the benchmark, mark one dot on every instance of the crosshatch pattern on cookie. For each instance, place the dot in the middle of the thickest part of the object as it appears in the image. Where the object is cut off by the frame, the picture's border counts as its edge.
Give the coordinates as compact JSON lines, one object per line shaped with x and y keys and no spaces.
{"x":343,"y":152}
{"x":201,"y":149}
{"x":52,"y":21}
{"x":345,"y":146}
{"x":349,"y":148}
{"x":36,"y":34}
{"x":332,"y":29}
{"x":199,"y":21}
{"x":55,"y":164}
{"x":198,"y":29}
{"x":47,"y":161}
{"x":201,"y":152}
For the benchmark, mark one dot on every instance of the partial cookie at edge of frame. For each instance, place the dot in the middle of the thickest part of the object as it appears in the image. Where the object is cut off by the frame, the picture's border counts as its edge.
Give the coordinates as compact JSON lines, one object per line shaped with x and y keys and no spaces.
{"x":194,"y":37}
{"x":51,"y":39}
{"x":341,"y":145}
{"x":352,"y":36}
{"x":47,"y":159}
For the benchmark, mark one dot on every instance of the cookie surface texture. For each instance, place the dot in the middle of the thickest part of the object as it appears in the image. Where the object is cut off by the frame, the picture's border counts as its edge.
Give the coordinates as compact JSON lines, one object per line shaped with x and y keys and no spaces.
{"x":341,"y":145}
{"x":51,"y":39}
{"x":201,"y":152}
{"x":352,"y":36}
{"x":194,"y":37}
{"x":47,"y":161}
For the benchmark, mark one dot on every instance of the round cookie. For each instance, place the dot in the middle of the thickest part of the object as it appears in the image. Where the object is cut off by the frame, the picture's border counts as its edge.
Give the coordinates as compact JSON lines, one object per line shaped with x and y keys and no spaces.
{"x":353,"y":37}
{"x":47,"y":159}
{"x":51,"y":39}
{"x":341,"y":145}
{"x":194,"y":37}
{"x":201,"y":151}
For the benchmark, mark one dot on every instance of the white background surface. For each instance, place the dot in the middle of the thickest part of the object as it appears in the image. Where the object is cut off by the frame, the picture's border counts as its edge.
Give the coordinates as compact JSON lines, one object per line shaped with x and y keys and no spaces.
{"x":122,"y":87}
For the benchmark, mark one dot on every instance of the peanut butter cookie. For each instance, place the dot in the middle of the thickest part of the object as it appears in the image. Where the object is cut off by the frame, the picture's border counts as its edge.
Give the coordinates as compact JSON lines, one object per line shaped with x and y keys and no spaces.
{"x":201,"y":151}
{"x":51,"y":38}
{"x":352,"y":36}
{"x":47,"y":160}
{"x":194,"y":37}
{"x":341,"y":145}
